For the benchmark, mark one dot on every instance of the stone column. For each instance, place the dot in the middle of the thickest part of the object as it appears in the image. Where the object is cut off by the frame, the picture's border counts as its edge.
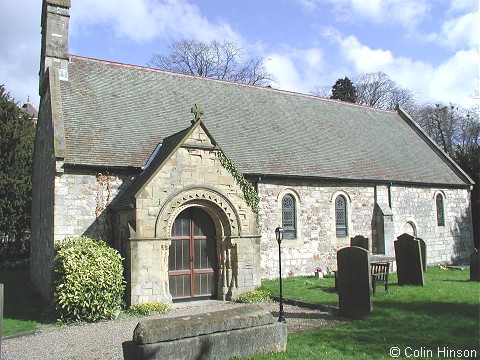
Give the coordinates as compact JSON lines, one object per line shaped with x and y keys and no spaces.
{"x":147,"y":261}
{"x":384,"y":230}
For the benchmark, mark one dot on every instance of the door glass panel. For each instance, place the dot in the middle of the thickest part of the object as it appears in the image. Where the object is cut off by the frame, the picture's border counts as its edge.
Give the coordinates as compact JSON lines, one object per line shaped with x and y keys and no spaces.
{"x":200,"y":259}
{"x":204,"y":284}
{"x":180,"y":286}
{"x":179,"y":255}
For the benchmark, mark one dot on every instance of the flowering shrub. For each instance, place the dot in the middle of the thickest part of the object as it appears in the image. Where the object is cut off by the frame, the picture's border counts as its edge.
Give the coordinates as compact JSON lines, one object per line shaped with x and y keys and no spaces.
{"x":254,"y":296}
{"x":147,"y":308}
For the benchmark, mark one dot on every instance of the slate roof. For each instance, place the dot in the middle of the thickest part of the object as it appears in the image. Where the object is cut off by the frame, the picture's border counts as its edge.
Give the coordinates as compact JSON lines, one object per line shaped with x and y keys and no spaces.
{"x":116,"y":114}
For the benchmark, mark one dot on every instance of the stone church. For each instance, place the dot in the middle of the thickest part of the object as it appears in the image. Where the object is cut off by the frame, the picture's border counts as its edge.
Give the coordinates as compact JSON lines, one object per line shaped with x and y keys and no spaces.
{"x":188,"y":177}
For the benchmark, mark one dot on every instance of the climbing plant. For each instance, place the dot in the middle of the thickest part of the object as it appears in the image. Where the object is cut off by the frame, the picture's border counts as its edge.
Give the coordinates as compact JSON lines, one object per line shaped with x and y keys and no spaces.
{"x":249,"y":193}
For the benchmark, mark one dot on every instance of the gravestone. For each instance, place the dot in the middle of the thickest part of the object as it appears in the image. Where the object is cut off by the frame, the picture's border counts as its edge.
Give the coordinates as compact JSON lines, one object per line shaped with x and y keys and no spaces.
{"x":360,"y":241}
{"x":408,"y":255}
{"x":475,"y":266}
{"x":423,"y":251}
{"x":354,"y":282}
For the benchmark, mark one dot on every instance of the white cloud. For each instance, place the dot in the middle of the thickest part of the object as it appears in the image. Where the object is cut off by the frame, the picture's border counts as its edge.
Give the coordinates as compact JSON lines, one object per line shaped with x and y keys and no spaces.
{"x":285,"y":71}
{"x":296,"y":69}
{"x":458,"y":32}
{"x":454,"y":80}
{"x":144,"y":20}
{"x":20,"y":49}
{"x":404,"y":13}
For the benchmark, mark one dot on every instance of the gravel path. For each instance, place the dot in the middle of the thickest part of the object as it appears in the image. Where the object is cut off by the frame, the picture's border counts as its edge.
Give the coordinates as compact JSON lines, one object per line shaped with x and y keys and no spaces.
{"x":103,"y":340}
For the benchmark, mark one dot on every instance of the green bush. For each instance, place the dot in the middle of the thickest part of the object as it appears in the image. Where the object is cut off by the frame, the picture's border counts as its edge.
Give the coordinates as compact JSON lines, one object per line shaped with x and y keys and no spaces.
{"x":254,"y":296}
{"x":147,"y":308}
{"x":87,"y":279}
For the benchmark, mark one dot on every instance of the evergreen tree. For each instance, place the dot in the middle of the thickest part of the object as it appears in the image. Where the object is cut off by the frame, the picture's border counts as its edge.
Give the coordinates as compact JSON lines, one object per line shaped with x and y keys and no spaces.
{"x":17,"y":135}
{"x":344,"y":90}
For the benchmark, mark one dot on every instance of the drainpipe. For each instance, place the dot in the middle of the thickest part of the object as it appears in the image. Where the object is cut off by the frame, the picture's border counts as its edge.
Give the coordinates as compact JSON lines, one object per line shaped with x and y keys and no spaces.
{"x":390,"y":183}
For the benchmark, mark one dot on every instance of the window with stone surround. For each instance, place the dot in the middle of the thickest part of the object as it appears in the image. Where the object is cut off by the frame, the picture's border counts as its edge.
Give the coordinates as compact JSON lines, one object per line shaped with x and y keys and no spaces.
{"x":341,"y":216}
{"x":289,"y":217}
{"x":440,"y":210}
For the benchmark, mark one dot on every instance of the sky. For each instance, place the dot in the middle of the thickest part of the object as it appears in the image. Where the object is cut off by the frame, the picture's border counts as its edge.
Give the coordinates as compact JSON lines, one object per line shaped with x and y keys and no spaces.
{"x":429,"y":47}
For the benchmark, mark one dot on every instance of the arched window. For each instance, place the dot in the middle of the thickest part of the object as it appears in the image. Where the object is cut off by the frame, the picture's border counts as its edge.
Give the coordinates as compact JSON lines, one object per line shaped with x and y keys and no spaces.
{"x":288,"y":217}
{"x":341,"y":216}
{"x":440,"y":210}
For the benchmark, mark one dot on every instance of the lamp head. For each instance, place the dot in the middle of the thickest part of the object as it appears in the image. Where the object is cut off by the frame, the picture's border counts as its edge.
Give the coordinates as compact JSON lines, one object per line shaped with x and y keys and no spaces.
{"x":279,"y":234}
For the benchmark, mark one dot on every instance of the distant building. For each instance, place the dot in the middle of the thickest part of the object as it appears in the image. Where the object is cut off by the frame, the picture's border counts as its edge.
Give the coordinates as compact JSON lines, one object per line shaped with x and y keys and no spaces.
{"x":125,"y":153}
{"x":30,"y":110}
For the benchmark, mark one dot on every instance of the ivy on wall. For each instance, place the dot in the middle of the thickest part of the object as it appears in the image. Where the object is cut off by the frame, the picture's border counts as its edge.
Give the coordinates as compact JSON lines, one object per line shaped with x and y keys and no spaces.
{"x":249,"y":193}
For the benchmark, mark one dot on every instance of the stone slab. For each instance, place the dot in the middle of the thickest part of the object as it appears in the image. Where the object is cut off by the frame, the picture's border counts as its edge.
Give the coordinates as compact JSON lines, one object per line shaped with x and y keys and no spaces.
{"x":159,"y":330}
{"x":220,"y":345}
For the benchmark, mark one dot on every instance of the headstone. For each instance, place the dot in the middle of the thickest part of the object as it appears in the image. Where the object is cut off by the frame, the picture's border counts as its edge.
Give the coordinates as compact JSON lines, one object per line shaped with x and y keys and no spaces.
{"x":408,"y":256}
{"x":360,"y":241}
{"x":475,"y":266}
{"x":423,"y":251}
{"x":354,"y":282}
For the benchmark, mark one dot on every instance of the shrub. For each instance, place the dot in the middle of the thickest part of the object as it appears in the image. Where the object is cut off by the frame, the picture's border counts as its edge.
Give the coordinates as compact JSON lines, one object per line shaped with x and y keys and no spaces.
{"x":254,"y":296}
{"x":147,"y":308}
{"x":87,"y":279}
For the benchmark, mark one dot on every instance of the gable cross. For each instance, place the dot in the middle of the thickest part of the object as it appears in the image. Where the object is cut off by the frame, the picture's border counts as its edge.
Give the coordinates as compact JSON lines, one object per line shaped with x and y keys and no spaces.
{"x":197,"y":112}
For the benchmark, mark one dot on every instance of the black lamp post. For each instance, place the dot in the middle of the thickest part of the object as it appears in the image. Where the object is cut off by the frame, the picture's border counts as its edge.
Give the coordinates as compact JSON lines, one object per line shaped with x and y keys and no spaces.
{"x":279,"y":236}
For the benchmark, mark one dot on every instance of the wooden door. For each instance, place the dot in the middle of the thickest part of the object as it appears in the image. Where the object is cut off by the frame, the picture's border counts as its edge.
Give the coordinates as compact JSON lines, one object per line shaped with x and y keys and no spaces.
{"x":193,"y":259}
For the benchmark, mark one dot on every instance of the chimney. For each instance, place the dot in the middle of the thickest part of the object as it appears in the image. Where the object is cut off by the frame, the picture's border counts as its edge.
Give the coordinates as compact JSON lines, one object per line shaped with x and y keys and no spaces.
{"x":54,"y":51}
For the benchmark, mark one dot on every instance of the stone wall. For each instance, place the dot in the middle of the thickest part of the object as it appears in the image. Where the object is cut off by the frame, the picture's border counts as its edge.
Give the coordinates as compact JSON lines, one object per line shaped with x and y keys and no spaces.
{"x":41,"y":236}
{"x":82,"y":198}
{"x":416,"y":207}
{"x":317,"y":244}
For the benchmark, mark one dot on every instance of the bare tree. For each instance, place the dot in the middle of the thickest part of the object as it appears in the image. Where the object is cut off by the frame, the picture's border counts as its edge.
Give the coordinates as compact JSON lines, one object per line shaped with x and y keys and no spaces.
{"x":218,"y":60}
{"x":378,"y":90}
{"x":449,"y":125}
{"x":322,"y":91}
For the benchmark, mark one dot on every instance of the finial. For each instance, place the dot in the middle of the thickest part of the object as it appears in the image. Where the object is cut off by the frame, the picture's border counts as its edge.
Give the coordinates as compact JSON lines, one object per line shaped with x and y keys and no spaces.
{"x":197,"y":112}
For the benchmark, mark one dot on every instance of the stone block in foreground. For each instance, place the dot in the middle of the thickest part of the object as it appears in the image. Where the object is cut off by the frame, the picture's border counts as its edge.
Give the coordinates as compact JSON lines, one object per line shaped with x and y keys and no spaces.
{"x":222,"y":334}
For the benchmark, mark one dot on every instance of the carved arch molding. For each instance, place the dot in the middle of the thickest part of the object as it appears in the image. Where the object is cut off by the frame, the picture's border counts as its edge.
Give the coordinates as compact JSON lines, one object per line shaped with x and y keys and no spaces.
{"x":211,"y":200}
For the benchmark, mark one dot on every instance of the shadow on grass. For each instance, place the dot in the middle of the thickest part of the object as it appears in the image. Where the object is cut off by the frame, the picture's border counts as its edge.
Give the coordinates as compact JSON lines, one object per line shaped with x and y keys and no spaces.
{"x":23,"y":308}
{"x":430,"y":326}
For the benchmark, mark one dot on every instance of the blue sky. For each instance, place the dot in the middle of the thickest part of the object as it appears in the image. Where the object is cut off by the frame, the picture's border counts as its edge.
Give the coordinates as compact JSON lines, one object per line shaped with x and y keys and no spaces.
{"x":429,"y":47}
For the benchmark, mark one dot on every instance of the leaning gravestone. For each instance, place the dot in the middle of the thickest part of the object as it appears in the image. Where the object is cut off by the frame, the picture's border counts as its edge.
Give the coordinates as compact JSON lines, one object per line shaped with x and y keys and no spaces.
{"x":423,"y":251}
{"x":408,"y":255}
{"x":355,"y":283}
{"x":360,"y":241}
{"x":475,"y":266}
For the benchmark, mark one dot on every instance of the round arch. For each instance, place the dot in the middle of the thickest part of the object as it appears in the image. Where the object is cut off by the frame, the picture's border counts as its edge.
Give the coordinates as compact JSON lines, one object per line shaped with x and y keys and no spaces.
{"x":221,"y":210}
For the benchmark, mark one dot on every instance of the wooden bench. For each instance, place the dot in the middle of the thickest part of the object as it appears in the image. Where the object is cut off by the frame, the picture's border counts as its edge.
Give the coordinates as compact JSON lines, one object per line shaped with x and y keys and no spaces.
{"x":379,"y":272}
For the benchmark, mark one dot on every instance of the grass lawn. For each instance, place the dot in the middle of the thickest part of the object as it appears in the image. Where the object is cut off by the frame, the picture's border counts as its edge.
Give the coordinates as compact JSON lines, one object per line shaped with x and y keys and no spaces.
{"x":22,"y":306}
{"x":419,"y":321}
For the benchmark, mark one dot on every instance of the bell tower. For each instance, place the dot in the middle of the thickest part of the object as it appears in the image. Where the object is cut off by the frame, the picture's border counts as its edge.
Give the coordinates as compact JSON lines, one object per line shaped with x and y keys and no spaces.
{"x":54,"y":50}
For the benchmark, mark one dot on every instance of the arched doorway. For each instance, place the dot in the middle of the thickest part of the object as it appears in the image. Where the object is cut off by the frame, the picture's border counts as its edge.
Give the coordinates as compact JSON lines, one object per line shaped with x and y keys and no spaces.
{"x":192,"y":265}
